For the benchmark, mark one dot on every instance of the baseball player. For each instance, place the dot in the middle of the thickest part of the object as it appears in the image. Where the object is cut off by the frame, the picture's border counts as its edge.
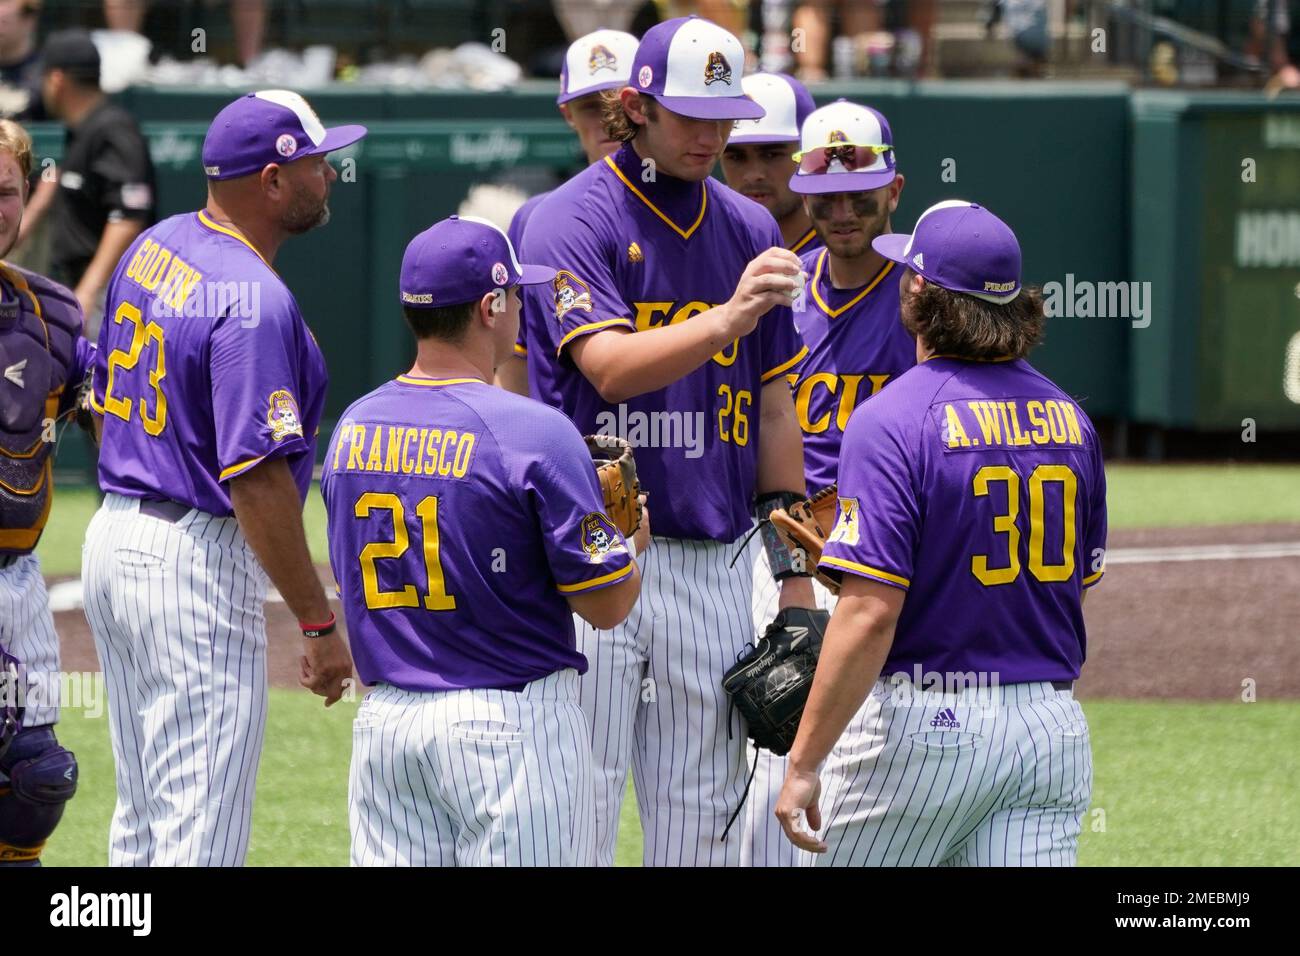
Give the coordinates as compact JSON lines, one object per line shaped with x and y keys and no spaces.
{"x":668,"y":324}
{"x":971,"y":518}
{"x":211,"y":387}
{"x":466,"y":526}
{"x":598,"y":61}
{"x":848,"y":181}
{"x":758,"y":162}
{"x":43,"y":361}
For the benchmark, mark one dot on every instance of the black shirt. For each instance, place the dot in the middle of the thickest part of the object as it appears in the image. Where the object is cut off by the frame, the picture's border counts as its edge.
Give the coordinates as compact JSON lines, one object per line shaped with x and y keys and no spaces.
{"x":105,"y":176}
{"x":20,"y":89}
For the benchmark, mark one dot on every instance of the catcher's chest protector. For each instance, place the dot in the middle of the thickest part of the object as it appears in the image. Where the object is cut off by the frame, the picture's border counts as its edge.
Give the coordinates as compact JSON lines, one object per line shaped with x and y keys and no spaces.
{"x":39,"y":325}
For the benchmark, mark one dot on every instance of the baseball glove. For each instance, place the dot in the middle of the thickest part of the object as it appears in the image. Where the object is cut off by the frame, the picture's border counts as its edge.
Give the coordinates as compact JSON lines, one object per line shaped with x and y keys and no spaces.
{"x":769,"y":683}
{"x":806,"y":525}
{"x":616,"y":470}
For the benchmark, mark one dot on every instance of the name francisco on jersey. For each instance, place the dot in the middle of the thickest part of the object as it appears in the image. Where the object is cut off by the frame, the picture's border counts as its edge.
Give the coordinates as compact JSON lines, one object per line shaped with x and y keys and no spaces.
{"x":405,"y":450}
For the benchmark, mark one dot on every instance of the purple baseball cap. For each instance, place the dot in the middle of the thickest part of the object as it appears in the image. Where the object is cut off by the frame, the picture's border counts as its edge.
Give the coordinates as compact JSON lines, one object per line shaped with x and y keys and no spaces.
{"x":462,"y":259}
{"x":960,"y":246}
{"x":787,"y":103}
{"x":694,"y":68}
{"x":269,"y":126}
{"x":844,"y":148}
{"x":598,"y":61}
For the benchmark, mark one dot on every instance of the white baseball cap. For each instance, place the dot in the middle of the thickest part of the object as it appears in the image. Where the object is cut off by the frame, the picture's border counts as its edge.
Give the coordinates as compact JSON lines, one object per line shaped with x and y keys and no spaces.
{"x":787,"y":102}
{"x":844,"y":147}
{"x":598,"y":61}
{"x":694,"y":68}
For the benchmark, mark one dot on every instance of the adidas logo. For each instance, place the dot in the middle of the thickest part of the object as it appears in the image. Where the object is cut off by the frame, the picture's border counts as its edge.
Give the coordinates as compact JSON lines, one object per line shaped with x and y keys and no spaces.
{"x":918,"y":261}
{"x":634,"y":253}
{"x":946,"y":720}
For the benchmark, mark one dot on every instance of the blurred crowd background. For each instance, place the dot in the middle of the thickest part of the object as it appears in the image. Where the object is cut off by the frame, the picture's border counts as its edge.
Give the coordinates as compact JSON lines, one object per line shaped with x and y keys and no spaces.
{"x":494,"y":44}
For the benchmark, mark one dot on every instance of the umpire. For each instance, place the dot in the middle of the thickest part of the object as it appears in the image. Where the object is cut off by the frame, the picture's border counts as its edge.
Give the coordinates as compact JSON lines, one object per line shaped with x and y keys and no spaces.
{"x":103,"y":196}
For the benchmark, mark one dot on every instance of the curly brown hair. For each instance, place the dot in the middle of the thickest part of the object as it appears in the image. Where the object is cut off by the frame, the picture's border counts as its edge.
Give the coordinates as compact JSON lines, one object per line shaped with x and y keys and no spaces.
{"x":618,"y":125}
{"x":963,"y":326}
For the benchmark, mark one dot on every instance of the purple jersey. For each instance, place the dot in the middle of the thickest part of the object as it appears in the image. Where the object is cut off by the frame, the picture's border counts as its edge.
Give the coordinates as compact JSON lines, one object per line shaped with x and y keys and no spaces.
{"x":978,"y":488}
{"x":638,"y":255}
{"x":856,"y":345}
{"x":205,"y":368}
{"x":808,"y":242}
{"x":516,"y":236}
{"x":460,"y":515}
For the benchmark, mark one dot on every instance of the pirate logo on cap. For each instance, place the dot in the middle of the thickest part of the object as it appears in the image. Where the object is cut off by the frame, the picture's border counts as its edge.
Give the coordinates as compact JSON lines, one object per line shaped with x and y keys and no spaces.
{"x":499,"y":274}
{"x":570,"y":293}
{"x":717,"y":69}
{"x":286,"y":145}
{"x":602,"y":58}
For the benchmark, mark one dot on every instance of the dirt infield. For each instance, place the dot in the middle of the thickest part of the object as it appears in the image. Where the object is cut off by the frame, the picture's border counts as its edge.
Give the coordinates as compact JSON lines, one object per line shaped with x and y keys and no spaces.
{"x":1159,"y":624}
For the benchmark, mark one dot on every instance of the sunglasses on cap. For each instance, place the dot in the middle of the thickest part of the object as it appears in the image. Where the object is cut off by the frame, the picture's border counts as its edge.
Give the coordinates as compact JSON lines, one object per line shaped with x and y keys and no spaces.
{"x":853,"y":157}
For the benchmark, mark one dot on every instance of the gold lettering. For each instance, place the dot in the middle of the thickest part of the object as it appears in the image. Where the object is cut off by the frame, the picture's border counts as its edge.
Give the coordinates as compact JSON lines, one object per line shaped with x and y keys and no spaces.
{"x":646,"y":312}
{"x":1056,"y":420}
{"x":150,"y":281}
{"x":375,"y":462}
{"x":1021,"y":438}
{"x":986,"y":414}
{"x":463,"y":452}
{"x":1072,"y":423}
{"x":393,"y":463}
{"x":804,"y":399}
{"x":407,"y":462}
{"x":419,"y":447}
{"x":354,"y":452}
{"x":444,"y":466}
{"x":435,"y":439}
{"x":848,"y":399}
{"x":877,"y":382}
{"x":956,"y":434}
{"x":338,"y":445}
{"x":1035,"y":412}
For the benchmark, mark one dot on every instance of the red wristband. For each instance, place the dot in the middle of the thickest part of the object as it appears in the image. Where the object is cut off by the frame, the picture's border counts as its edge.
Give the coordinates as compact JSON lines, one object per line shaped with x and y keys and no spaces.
{"x":318,"y":630}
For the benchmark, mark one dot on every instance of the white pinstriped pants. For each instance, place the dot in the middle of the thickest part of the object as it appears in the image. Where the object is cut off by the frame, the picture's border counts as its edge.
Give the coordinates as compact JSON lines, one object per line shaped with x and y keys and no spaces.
{"x":27,"y":632}
{"x":1009,"y":787}
{"x":472,"y":777}
{"x":653,"y":695}
{"x":176,"y":610}
{"x":762,"y":841}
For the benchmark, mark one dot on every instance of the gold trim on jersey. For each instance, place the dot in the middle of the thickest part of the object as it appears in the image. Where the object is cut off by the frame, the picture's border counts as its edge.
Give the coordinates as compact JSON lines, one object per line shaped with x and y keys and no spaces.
{"x":1093,"y":578}
{"x":240,"y":466}
{"x":591,"y":327}
{"x":834,"y":313}
{"x":433,"y":382}
{"x":784,"y":366}
{"x":234,"y":234}
{"x":595,"y":582}
{"x":868,"y":571}
{"x":520,"y":350}
{"x":808,"y":237}
{"x":684,"y":233}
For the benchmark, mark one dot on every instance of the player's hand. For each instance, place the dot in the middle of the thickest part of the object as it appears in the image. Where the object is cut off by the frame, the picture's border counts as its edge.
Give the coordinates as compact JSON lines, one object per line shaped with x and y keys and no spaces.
{"x":641,"y":539}
{"x":772,"y":278}
{"x":798,"y":800}
{"x":326,"y":666}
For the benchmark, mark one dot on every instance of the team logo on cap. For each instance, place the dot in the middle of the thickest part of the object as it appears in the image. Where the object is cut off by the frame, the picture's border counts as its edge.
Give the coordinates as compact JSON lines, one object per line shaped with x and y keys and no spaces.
{"x":570,"y":293}
{"x":646,"y":76}
{"x":999,"y":286}
{"x":918,"y":261}
{"x":286,"y":145}
{"x":599,"y":537}
{"x":282,"y":415}
{"x":499,"y":274}
{"x":601,"y":58}
{"x":418,"y":298}
{"x":717,"y":69}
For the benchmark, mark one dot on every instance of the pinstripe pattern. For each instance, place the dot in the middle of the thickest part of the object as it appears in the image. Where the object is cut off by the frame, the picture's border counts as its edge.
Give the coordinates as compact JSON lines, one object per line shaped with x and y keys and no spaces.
{"x":472,"y":777}
{"x":1007,"y":788}
{"x":762,"y":841}
{"x":176,"y":611}
{"x":27,"y":631}
{"x":692,"y":620}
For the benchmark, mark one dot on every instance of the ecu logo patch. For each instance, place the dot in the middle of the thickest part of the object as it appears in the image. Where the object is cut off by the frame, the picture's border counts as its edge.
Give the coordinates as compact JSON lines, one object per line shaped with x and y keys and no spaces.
{"x":282,"y":415}
{"x":601,"y":58}
{"x":599,"y":537}
{"x":634,"y":253}
{"x":846,"y":526}
{"x":570,"y":293}
{"x":717,"y":69}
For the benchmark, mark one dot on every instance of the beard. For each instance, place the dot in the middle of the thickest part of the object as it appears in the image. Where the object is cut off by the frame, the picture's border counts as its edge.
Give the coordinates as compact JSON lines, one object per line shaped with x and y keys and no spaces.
{"x":305,"y":212}
{"x":870,"y":216}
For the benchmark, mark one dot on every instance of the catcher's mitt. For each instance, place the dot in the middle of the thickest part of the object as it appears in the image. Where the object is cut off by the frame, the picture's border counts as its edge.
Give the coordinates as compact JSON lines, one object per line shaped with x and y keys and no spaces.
{"x":616,"y":470}
{"x":769,"y":684}
{"x":807,"y":525}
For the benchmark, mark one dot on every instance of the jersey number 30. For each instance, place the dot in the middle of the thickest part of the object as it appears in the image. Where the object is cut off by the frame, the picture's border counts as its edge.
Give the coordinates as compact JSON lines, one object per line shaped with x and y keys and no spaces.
{"x":125,"y":361}
{"x":436,"y":597}
{"x":1006,"y":523}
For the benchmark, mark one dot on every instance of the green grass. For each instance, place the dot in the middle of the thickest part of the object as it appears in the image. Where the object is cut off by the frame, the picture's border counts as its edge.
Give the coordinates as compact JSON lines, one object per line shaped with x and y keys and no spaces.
{"x":1180,"y":784}
{"x":1140,"y":496}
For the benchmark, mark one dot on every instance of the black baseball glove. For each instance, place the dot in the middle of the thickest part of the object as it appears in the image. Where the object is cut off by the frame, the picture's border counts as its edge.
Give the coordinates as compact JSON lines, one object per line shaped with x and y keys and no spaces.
{"x":769,"y":683}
